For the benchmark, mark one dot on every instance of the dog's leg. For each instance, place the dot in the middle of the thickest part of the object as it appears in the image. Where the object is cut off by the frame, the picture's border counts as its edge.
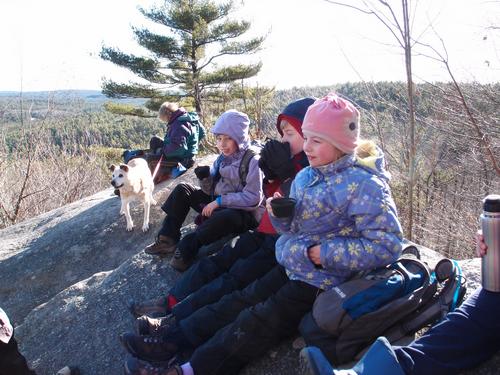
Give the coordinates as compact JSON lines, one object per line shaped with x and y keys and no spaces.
{"x":152,"y":200}
{"x":122,"y":208}
{"x":145,"y":224}
{"x":130,"y":223}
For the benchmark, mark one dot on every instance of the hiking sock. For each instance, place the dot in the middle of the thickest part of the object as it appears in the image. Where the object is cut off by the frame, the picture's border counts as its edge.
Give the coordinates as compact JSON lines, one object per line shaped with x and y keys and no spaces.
{"x":171,"y":301}
{"x":187,"y":369}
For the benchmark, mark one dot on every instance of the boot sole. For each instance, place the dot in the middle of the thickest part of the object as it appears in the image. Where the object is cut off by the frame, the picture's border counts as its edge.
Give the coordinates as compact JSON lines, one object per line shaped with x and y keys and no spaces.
{"x":162,"y":252}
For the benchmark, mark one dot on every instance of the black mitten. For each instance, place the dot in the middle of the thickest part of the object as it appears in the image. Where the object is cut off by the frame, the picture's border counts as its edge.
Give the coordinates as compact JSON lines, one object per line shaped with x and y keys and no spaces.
{"x":268,"y":174}
{"x":202,"y":172}
{"x":278,"y":159}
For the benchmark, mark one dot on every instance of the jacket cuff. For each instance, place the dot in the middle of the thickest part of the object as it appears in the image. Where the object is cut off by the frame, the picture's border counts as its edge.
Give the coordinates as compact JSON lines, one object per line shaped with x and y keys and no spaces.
{"x":219,"y":200}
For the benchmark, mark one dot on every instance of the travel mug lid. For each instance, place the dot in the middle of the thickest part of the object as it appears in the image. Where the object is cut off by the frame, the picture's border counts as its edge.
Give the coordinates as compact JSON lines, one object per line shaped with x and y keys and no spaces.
{"x":491,"y":203}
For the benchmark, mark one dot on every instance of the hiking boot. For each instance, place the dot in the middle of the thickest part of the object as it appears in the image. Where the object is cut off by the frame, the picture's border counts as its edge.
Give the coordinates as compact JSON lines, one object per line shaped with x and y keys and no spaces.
{"x":149,"y":348}
{"x":154,"y":307}
{"x":163,"y":245}
{"x":178,"y":263}
{"x":134,"y":366}
{"x":145,"y":325}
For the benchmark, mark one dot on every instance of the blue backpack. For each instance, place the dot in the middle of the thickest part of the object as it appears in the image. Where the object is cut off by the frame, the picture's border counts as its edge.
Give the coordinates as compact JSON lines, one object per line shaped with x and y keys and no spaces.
{"x":394,"y":301}
{"x":132,"y":154}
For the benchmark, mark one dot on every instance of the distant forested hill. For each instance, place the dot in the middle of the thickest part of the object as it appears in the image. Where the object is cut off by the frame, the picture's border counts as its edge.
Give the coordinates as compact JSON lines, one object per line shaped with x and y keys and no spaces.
{"x":72,"y":117}
{"x":63,"y":95}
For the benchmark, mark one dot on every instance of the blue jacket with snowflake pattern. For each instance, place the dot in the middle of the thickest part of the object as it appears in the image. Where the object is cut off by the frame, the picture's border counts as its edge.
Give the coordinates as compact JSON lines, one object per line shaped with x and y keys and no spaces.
{"x":345,"y":207}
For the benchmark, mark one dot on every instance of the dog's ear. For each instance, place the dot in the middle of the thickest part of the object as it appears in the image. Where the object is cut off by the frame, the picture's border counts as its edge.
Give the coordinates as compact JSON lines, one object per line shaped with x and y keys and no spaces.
{"x":124,"y":167}
{"x":112,"y":167}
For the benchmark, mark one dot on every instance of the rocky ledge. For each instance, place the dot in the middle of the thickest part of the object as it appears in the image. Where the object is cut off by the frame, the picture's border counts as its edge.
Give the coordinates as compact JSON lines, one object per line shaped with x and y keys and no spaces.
{"x":66,"y":276}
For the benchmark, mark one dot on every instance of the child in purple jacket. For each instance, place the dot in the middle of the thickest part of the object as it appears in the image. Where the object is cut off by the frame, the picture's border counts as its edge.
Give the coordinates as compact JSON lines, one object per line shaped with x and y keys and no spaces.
{"x":228,"y":204}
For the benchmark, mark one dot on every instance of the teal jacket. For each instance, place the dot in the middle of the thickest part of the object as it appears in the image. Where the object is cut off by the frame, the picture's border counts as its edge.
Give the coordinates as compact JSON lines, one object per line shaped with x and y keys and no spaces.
{"x":184,"y":132}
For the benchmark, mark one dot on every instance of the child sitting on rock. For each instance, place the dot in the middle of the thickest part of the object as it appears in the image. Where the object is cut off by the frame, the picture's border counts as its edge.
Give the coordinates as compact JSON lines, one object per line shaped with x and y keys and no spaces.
{"x":229,"y":204}
{"x":176,"y":152}
{"x":184,"y":132}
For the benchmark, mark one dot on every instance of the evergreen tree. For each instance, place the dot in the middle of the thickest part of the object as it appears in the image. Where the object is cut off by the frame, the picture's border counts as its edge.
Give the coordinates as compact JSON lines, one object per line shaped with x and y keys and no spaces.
{"x":179,"y":59}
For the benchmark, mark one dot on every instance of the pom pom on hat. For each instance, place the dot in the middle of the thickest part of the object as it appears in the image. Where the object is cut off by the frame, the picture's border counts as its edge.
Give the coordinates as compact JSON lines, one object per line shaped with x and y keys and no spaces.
{"x":334,"y":119}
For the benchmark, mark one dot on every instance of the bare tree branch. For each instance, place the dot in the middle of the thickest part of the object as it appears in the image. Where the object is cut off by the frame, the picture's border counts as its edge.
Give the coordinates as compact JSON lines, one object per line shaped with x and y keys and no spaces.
{"x":369,"y":12}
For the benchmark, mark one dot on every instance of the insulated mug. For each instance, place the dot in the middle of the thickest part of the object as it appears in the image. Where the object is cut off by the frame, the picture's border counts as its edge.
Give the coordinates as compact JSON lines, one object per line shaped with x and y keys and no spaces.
{"x":490,"y":223}
{"x":283,"y":207}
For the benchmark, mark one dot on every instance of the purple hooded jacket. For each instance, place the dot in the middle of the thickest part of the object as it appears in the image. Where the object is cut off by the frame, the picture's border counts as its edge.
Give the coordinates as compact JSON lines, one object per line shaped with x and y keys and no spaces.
{"x":229,"y":188}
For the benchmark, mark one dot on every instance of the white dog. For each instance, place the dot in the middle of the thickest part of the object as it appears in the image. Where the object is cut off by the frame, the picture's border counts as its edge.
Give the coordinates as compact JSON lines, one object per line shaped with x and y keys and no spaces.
{"x":134,"y":181}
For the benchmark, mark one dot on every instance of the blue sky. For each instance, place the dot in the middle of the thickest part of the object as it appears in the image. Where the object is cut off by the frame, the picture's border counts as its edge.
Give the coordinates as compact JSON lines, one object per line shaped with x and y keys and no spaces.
{"x":54,"y":44}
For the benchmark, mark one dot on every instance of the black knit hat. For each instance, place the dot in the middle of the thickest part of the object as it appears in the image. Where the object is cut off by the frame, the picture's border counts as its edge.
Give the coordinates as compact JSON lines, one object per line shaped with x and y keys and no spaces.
{"x":294,"y":113}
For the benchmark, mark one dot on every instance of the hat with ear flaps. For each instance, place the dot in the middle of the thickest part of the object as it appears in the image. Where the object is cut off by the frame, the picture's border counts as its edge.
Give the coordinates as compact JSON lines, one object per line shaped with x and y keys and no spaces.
{"x":334,"y":119}
{"x":294,"y":114}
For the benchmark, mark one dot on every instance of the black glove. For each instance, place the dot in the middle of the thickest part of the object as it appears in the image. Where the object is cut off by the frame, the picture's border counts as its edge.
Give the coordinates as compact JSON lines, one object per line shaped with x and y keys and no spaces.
{"x":268,"y":174}
{"x":278,"y":159}
{"x":202,"y":172}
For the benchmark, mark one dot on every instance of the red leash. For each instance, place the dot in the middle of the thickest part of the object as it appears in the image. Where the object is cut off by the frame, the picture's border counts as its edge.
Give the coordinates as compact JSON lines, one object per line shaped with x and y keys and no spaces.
{"x":155,"y":172}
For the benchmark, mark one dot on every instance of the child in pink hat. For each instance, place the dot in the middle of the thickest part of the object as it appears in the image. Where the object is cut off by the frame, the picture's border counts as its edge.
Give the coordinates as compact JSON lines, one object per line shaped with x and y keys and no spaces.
{"x":335,"y":121}
{"x":337,"y":198}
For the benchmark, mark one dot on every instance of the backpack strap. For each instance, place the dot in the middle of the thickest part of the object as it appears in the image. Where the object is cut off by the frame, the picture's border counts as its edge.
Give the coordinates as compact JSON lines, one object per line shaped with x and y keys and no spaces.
{"x":242,"y":170}
{"x":245,"y":164}
{"x":445,"y":299}
{"x":216,"y":176}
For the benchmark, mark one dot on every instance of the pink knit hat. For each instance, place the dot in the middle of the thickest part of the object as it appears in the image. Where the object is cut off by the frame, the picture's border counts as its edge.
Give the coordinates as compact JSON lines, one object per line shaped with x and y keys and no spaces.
{"x":335,"y":120}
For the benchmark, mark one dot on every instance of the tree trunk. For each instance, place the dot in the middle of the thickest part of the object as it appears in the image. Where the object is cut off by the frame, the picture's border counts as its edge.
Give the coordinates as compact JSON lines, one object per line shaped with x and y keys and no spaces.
{"x":410,"y":88}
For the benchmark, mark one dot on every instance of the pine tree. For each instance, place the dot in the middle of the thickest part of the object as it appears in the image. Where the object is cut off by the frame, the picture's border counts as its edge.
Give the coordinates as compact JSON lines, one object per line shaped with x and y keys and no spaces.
{"x":179,"y":64}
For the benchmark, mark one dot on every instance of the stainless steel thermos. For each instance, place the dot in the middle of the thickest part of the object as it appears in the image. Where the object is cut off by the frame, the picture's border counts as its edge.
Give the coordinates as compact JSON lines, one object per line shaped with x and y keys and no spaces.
{"x":490,"y":223}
